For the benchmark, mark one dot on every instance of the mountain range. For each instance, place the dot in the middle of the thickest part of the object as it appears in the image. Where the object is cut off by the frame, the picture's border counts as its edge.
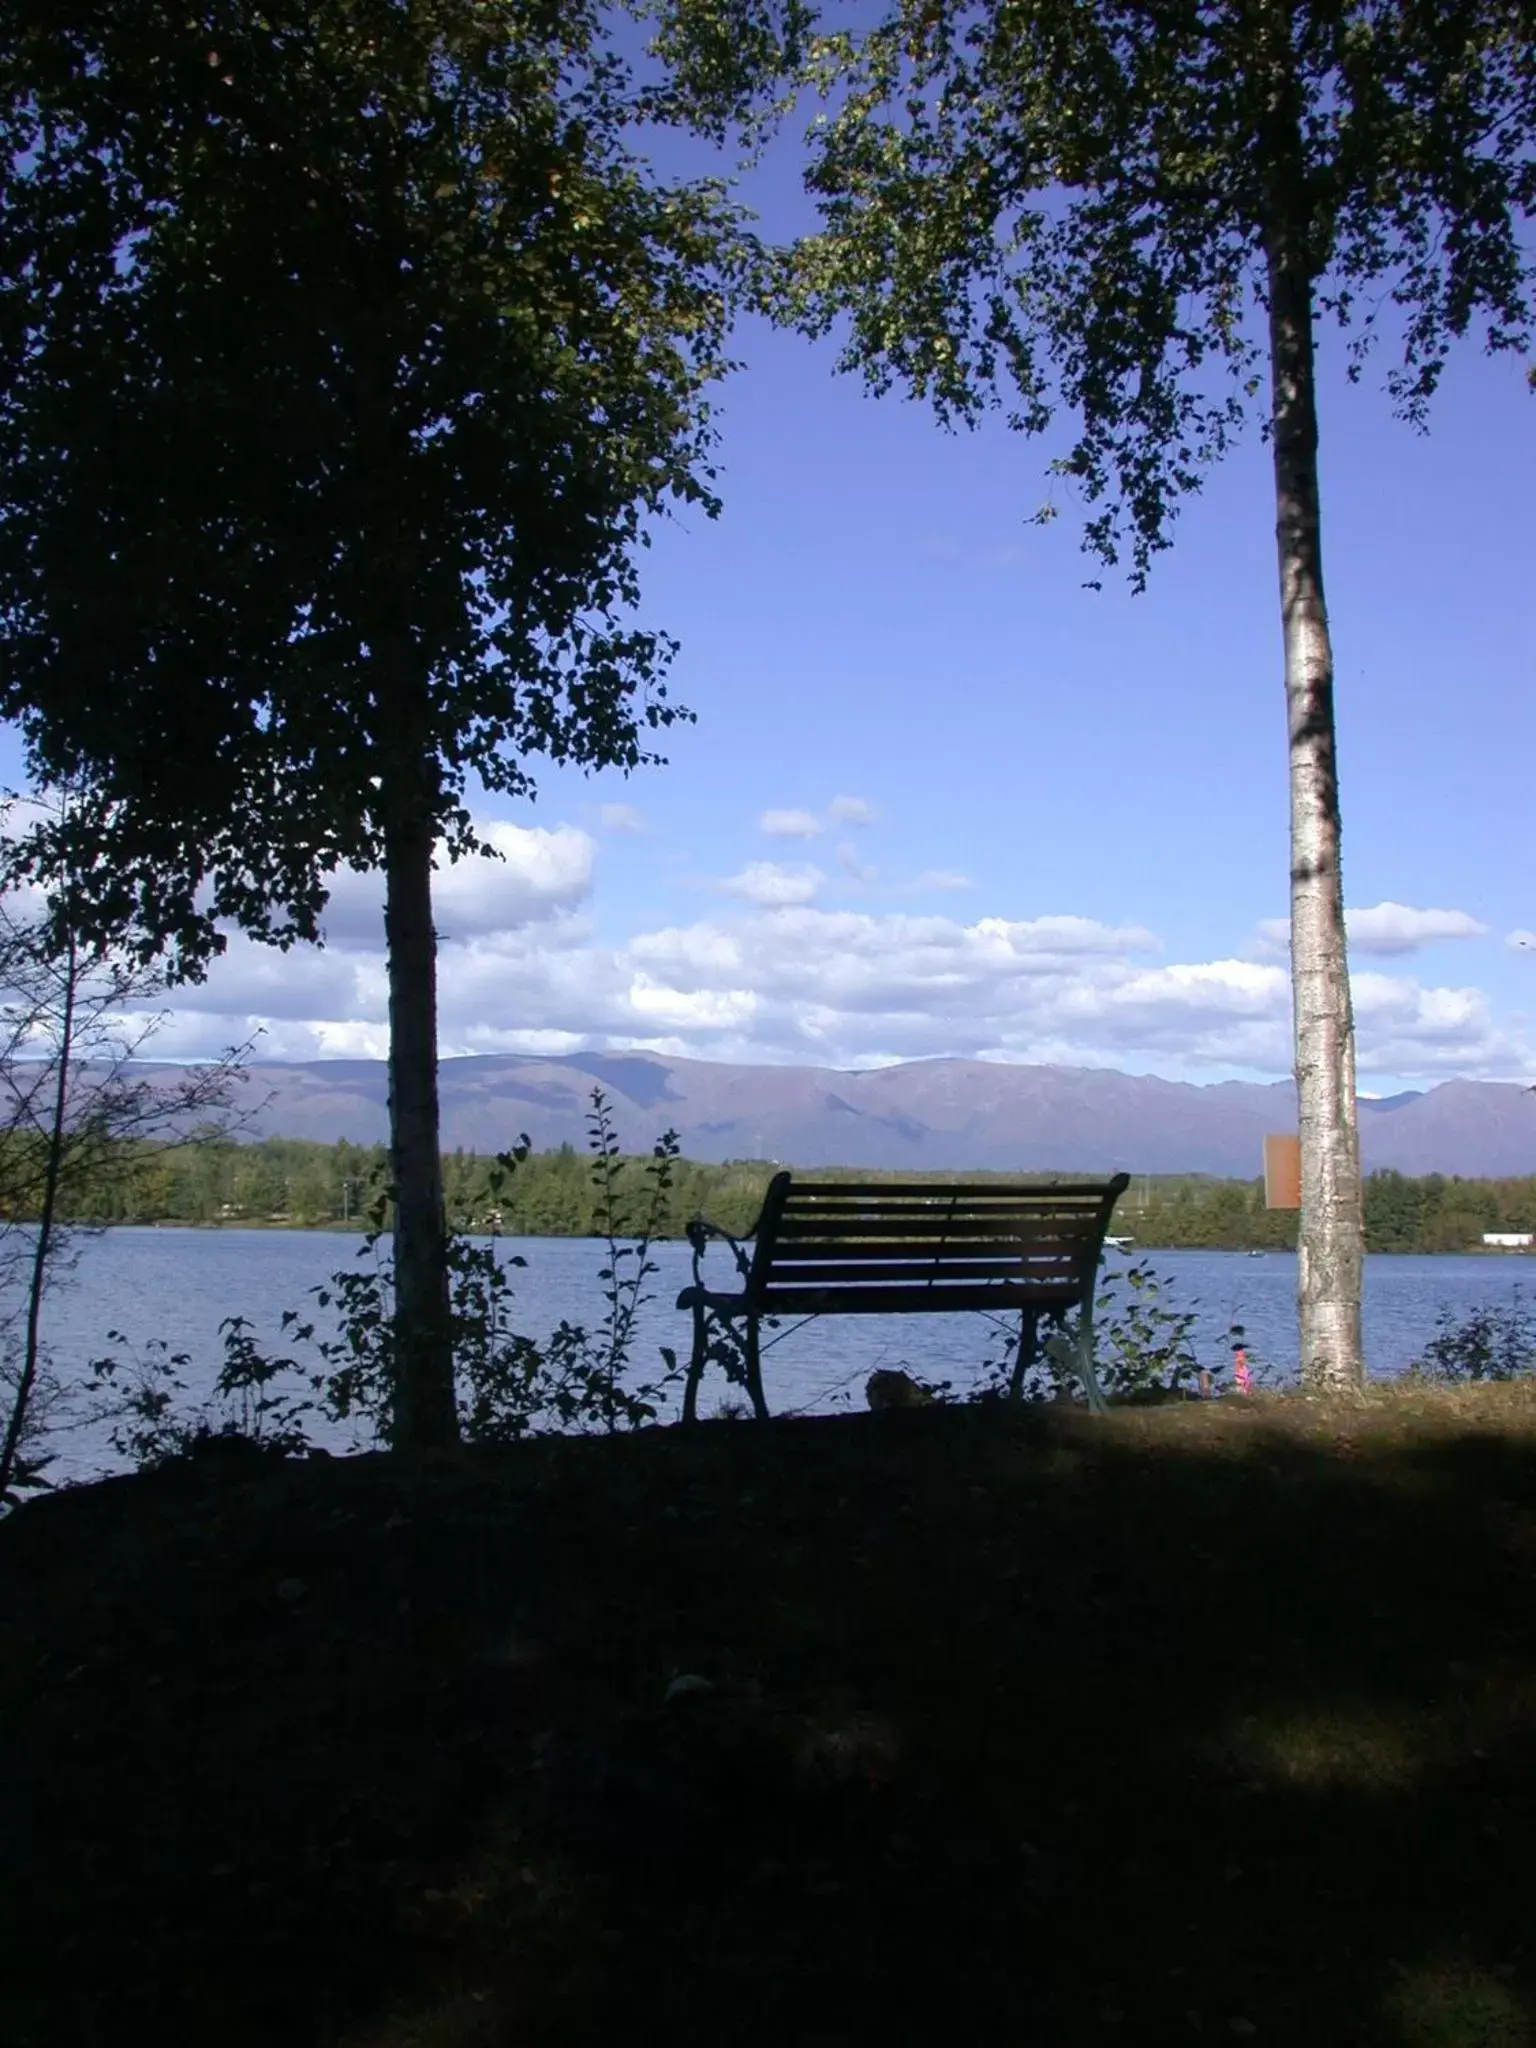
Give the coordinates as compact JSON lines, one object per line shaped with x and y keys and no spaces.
{"x":925,"y":1114}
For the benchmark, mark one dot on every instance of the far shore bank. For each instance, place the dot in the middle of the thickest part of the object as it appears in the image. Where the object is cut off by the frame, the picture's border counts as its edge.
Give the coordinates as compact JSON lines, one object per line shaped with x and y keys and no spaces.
{"x":336,"y":1227}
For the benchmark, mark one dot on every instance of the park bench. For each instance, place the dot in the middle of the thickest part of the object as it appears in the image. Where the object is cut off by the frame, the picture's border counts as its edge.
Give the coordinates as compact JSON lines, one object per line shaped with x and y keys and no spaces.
{"x":825,"y":1247}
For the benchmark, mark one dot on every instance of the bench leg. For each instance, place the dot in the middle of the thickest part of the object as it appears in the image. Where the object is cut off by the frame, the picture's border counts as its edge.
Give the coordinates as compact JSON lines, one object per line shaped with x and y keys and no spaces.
{"x":1084,"y":1360}
{"x":1028,"y":1352}
{"x":1074,"y":1353}
{"x":695,"y":1364}
{"x":755,"y":1372}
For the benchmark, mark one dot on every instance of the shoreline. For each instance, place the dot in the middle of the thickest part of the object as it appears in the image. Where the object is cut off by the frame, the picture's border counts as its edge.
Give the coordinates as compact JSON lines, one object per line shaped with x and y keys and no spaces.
{"x":337,"y":1228}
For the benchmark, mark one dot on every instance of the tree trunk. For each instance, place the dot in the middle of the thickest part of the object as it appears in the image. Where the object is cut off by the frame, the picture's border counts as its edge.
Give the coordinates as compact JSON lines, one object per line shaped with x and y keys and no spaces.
{"x":1331,"y":1240}
{"x":424,"y":1412}
{"x":425,"y":1415}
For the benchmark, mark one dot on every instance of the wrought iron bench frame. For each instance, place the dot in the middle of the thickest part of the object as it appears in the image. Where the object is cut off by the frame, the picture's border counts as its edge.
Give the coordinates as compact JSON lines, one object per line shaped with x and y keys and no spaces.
{"x":829,"y":1247}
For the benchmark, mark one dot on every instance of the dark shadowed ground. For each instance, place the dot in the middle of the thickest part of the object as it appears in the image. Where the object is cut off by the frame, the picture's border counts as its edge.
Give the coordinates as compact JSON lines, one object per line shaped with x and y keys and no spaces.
{"x":1203,"y":1724}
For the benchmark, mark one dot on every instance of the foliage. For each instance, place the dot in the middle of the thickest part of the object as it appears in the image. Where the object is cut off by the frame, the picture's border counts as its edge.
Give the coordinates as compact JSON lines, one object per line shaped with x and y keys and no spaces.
{"x":303,"y":1182}
{"x":503,"y":1382}
{"x":347,"y":350}
{"x":1055,"y":208}
{"x":1494,"y":1342}
{"x":1123,"y":216}
{"x":1143,"y":1350}
{"x":426,"y":368}
{"x":254,"y":1407}
{"x":629,"y":1264}
{"x":1432,"y":1212}
{"x":1143,"y":1343}
{"x":300,"y":1181}
{"x":1143,"y":1346}
{"x":508,"y":1386}
{"x":76,"y":1112}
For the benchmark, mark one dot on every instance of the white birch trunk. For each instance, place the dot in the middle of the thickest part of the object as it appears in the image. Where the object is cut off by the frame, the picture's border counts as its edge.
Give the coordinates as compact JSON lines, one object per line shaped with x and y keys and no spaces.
{"x":1332,"y":1233}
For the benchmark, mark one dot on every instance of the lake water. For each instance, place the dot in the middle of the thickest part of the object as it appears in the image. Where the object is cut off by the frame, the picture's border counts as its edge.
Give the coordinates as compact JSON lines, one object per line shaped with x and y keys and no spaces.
{"x":178,"y":1284}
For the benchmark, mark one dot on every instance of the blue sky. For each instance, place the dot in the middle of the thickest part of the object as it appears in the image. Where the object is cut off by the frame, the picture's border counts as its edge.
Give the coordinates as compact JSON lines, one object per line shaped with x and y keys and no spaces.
{"x":941,"y":799}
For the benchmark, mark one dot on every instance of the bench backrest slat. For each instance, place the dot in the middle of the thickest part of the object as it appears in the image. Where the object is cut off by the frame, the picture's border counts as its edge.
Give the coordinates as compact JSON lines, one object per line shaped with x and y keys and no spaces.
{"x":824,"y":1272}
{"x":935,"y":1227}
{"x":910,"y":1242}
{"x":1014,"y":1191}
{"x":861,"y":1246}
{"x":917,"y":1252}
{"x":998,"y":1295}
{"x":857,"y":1201}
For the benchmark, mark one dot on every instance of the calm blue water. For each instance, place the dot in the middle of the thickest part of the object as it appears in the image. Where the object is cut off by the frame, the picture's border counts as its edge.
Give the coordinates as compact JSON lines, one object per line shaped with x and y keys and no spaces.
{"x":178,"y":1284}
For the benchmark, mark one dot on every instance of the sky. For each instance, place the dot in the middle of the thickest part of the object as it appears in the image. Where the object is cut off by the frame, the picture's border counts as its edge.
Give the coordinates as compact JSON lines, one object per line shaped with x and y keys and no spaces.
{"x":941,"y":799}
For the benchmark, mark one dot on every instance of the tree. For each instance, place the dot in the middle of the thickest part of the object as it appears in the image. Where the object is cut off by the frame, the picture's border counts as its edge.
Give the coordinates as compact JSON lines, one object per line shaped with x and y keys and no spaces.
{"x":345,"y":350}
{"x":1073,"y":204}
{"x":73,"y":1109}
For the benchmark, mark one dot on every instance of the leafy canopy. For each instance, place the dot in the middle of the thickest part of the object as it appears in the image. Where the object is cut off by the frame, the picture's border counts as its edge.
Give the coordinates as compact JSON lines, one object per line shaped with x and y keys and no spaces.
{"x":329,"y":327}
{"x":1048,"y":203}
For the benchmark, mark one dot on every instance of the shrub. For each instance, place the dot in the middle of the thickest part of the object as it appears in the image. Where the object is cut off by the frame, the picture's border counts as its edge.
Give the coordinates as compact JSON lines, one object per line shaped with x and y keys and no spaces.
{"x":508,"y":1386}
{"x":255,"y":1405}
{"x":1143,"y":1348}
{"x":1493,"y":1342}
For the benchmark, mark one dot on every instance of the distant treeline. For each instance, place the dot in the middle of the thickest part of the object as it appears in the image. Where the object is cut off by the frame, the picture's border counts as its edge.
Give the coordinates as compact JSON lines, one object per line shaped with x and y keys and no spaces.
{"x":298,"y":1182}
{"x":551,"y":1194}
{"x":1432,"y":1213}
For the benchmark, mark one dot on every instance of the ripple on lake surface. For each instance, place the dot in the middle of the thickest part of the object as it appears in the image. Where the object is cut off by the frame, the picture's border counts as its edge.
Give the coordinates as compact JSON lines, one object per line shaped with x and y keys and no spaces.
{"x":179,"y":1284}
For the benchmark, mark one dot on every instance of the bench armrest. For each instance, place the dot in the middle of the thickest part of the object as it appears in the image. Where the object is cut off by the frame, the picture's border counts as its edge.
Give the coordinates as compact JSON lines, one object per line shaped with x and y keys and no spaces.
{"x":700,"y":1231}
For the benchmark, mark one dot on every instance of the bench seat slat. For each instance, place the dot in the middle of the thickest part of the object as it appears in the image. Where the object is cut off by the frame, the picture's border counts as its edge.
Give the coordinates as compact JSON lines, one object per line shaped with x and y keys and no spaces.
{"x":939,"y":1229}
{"x":1013,"y":1207}
{"x":889,"y":1250}
{"x":898,"y":1252}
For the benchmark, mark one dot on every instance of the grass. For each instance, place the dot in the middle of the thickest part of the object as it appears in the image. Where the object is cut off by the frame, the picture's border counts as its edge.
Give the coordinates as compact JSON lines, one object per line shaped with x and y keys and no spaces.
{"x":1194,"y":1724}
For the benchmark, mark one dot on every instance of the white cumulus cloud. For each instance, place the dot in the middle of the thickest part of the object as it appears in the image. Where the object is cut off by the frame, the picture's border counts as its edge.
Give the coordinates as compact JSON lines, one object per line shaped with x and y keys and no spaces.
{"x":790,"y":824}
{"x":1390,"y":928}
{"x":852,"y":810}
{"x":1383,"y":930}
{"x":1434,"y":1033}
{"x":691,"y":1009}
{"x":776,"y":977}
{"x":1070,"y":935}
{"x":532,"y":873}
{"x":769,"y":883}
{"x":620,"y":818}
{"x":537,"y":874}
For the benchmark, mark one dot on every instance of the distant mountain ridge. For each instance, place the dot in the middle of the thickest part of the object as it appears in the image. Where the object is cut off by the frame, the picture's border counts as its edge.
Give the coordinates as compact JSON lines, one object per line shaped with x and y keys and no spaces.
{"x":926,"y":1114}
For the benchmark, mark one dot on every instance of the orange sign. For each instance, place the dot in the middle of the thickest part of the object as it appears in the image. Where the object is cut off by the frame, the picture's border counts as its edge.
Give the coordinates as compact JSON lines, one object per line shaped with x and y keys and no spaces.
{"x":1282,"y":1171}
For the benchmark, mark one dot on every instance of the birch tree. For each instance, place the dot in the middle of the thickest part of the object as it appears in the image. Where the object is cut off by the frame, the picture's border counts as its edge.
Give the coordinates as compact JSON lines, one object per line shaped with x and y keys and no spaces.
{"x":1135,"y":217}
{"x":346,"y":349}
